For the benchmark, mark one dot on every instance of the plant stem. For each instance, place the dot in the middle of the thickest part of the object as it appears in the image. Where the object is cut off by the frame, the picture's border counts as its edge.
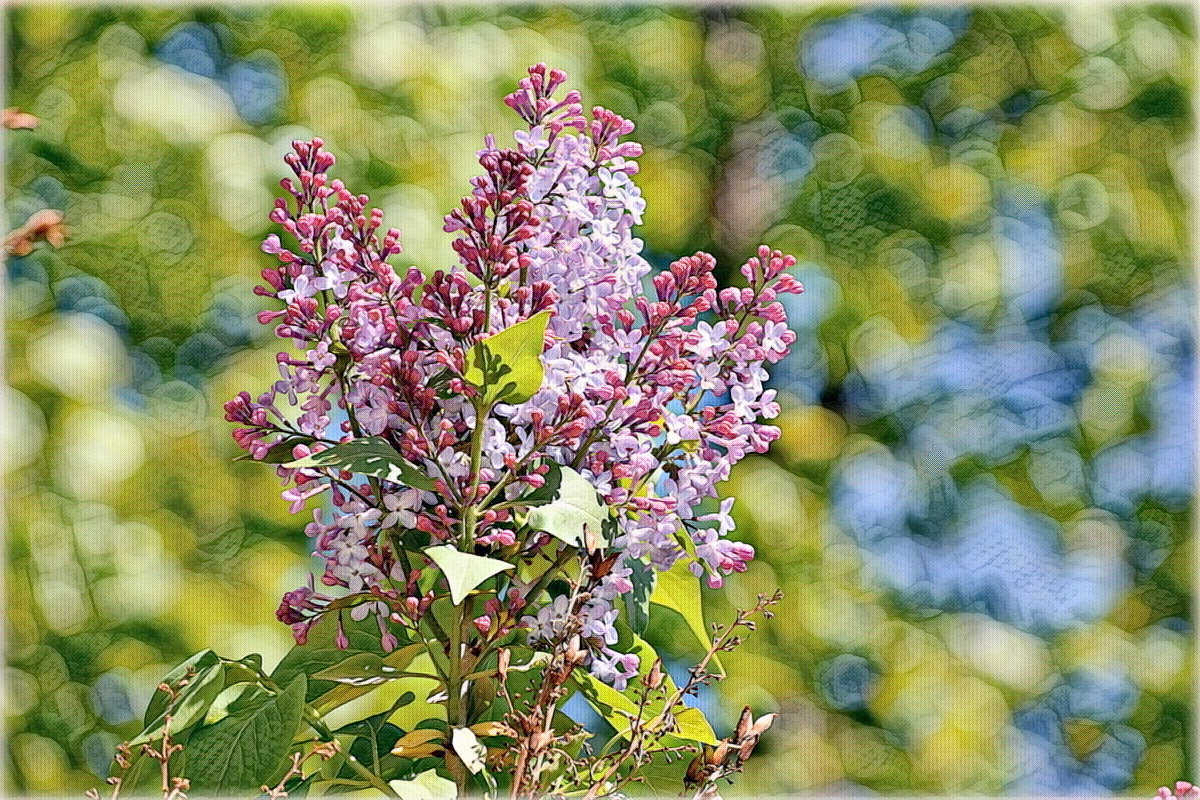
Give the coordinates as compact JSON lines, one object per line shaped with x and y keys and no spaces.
{"x":471,"y":505}
{"x":370,"y":776}
{"x":456,"y":711}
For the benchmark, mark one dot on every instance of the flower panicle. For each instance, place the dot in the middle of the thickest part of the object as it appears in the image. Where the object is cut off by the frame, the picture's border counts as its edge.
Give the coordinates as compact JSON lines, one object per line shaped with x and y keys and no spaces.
{"x":651,"y":398}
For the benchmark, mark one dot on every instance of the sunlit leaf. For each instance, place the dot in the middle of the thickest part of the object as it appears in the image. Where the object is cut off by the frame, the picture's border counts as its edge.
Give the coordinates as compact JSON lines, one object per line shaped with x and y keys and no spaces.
{"x":619,"y":707}
{"x":577,"y":506}
{"x":426,"y":786}
{"x":507,"y":365}
{"x":464,"y":571}
{"x":466,"y":744}
{"x":679,"y":590}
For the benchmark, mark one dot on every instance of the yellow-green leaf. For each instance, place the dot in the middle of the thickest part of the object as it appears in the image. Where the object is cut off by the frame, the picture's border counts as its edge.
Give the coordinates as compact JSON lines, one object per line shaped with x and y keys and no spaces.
{"x":426,"y":786}
{"x":618,"y":707}
{"x":507,"y":366}
{"x":679,"y":590}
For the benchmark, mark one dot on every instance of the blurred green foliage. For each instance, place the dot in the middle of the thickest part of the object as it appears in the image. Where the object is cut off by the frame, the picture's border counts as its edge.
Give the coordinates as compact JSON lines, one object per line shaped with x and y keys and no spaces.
{"x":989,"y":206}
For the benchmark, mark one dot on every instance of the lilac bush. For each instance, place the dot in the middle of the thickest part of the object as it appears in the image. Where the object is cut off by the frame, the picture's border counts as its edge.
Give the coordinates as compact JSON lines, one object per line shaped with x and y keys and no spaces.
{"x":507,"y":463}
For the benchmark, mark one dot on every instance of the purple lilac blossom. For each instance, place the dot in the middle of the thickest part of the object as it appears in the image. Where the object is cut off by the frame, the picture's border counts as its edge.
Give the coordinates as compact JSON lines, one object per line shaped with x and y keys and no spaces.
{"x":626,"y":398}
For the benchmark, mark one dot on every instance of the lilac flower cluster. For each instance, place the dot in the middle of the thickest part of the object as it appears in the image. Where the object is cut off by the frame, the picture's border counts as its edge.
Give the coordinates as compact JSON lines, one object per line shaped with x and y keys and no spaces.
{"x":626,"y":398}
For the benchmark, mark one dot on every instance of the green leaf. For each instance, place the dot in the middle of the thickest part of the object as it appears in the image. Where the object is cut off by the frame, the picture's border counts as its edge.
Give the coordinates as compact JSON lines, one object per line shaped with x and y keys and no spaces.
{"x":426,"y":786}
{"x":637,"y":602}
{"x":375,"y":722}
{"x":233,"y":698}
{"x":201,"y":662}
{"x":679,"y":590}
{"x":508,"y":365}
{"x":617,"y":707}
{"x":322,"y":652}
{"x":193,"y":704}
{"x":576,"y":507}
{"x":373,"y":740}
{"x":244,"y":750}
{"x":468,"y":747}
{"x":464,"y":571}
{"x":691,"y":724}
{"x":372,"y":456}
{"x":371,"y":669}
{"x":344,"y":692}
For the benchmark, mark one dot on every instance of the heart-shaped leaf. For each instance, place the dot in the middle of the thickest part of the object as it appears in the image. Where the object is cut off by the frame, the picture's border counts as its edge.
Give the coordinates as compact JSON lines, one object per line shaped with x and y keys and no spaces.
{"x":426,"y":786}
{"x":464,"y":571}
{"x":372,"y":456}
{"x":576,"y":507}
{"x":468,"y":747}
{"x":508,"y":365}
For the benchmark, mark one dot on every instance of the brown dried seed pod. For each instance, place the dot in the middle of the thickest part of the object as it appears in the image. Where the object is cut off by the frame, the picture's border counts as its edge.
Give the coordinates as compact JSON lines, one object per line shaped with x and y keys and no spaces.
{"x":763,"y":723}
{"x":654,"y":678}
{"x":748,"y":745}
{"x":697,"y":772}
{"x":604,"y":566}
{"x":745,"y":721}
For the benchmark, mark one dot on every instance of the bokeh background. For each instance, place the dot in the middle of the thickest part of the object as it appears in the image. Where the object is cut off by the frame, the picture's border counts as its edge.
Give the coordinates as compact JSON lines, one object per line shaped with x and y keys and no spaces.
{"x":979,"y":509}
